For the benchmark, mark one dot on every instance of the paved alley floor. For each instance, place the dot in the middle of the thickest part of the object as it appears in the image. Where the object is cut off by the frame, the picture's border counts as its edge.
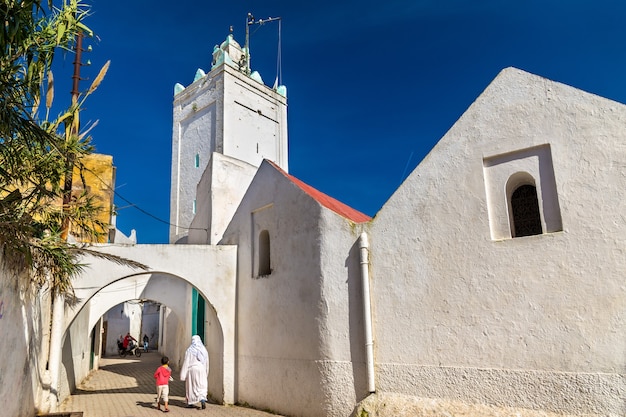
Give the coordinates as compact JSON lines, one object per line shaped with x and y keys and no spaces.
{"x":124,"y":387}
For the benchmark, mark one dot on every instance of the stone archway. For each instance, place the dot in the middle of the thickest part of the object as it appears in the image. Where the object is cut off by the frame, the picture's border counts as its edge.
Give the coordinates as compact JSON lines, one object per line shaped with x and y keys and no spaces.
{"x":173,"y":270}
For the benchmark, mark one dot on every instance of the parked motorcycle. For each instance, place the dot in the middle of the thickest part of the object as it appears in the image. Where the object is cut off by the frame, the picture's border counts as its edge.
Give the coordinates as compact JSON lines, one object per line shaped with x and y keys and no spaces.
{"x":133,"y":349}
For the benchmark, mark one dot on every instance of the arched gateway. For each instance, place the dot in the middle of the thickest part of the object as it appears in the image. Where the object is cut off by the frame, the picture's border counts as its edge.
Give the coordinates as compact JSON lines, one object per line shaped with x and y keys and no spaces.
{"x":172,"y":269}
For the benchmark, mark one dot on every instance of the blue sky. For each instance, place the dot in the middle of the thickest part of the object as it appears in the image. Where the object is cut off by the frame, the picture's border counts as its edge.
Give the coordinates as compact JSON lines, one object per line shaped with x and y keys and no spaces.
{"x":372,"y":85}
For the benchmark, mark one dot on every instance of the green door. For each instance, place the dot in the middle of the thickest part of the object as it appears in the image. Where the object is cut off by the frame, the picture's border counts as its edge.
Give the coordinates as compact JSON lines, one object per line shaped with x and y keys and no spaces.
{"x":197,"y":314}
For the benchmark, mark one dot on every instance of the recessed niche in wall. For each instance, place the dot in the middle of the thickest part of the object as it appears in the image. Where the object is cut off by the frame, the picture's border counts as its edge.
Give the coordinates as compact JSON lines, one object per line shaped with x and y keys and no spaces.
{"x":262,"y":219}
{"x":521,"y":193}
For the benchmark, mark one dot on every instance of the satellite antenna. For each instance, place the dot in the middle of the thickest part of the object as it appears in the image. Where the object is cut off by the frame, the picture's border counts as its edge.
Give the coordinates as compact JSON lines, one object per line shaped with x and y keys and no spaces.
{"x":250,"y":20}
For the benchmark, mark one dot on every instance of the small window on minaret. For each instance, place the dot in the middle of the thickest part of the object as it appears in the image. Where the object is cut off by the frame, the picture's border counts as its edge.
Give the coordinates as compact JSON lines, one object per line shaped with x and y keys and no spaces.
{"x":197,"y":160}
{"x":194,"y":207}
{"x":264,"y":253}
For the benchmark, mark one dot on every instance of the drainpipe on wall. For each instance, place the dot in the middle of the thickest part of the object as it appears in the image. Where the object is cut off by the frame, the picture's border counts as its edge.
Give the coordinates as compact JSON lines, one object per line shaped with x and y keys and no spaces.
{"x":367,"y":311}
{"x":54,"y":358}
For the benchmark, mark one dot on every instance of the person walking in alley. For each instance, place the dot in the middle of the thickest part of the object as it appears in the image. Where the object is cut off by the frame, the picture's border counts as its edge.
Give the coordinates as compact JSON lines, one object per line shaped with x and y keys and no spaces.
{"x":195,"y":372}
{"x":163,"y":376}
{"x":145,"y":342}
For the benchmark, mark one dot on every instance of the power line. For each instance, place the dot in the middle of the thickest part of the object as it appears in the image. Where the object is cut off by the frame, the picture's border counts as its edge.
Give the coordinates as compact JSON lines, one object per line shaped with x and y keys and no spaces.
{"x":139,"y":208}
{"x":131,"y":204}
{"x":402,"y":178}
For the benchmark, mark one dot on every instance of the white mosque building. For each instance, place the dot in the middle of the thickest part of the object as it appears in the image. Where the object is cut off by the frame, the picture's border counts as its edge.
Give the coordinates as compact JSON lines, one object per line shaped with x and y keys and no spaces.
{"x":493,"y":275}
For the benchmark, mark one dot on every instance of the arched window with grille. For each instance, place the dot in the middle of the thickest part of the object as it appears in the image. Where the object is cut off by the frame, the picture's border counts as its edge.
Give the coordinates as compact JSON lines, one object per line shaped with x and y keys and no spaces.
{"x":521,"y":191}
{"x":524,"y":211}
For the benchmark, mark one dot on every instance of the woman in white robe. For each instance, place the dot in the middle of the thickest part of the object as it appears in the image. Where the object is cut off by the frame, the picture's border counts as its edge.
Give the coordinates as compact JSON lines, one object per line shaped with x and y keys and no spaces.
{"x":195,"y":372}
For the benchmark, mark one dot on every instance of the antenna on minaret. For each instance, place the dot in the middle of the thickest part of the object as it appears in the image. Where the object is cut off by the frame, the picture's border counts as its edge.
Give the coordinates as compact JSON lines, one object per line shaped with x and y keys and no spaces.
{"x":250,"y":20}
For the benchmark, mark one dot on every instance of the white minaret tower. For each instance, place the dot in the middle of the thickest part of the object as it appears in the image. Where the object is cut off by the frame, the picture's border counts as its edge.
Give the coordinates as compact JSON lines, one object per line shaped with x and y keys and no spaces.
{"x":225,"y":123}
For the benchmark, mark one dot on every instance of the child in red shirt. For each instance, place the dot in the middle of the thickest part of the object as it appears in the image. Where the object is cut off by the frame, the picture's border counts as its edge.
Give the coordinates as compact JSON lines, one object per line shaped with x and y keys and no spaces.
{"x":163,"y":375}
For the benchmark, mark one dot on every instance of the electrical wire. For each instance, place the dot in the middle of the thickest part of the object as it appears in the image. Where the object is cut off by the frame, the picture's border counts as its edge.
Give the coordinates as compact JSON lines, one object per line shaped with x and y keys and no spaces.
{"x":261,"y":22}
{"x":402,"y":178}
{"x":139,"y":208}
{"x":279,"y":64}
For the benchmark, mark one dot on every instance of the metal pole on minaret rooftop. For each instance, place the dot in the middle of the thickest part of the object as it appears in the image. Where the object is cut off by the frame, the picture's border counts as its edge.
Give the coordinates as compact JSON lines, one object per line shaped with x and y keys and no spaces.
{"x":249,"y":21}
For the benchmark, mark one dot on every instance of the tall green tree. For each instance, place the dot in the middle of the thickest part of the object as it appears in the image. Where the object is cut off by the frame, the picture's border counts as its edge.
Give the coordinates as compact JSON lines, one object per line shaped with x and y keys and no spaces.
{"x":37,"y":152}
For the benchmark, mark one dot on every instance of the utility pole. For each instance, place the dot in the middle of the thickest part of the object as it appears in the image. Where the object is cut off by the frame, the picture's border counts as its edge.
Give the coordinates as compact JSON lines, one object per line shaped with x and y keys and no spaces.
{"x":58,"y":298}
{"x":73,"y":131}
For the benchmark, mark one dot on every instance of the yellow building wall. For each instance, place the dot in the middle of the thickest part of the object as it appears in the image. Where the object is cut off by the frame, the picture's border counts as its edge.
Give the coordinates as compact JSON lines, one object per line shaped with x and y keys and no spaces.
{"x":99,"y":177}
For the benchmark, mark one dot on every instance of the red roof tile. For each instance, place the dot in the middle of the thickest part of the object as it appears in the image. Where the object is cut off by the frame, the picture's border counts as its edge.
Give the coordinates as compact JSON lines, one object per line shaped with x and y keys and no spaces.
{"x":325,"y":200}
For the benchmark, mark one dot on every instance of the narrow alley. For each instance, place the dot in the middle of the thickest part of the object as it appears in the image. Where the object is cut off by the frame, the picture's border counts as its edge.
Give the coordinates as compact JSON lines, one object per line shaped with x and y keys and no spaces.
{"x":125,"y":387}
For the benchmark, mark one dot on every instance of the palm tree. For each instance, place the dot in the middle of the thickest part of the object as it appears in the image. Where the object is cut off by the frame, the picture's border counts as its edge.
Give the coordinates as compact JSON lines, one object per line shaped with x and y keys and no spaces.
{"x":38,"y":155}
{"x":39,"y":158}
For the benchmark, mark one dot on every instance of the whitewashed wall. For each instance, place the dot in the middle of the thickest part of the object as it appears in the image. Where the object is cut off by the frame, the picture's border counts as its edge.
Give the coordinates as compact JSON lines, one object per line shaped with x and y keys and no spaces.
{"x":75,"y":354}
{"x":278,"y":327}
{"x":121,"y":319}
{"x":174,"y":268}
{"x":342,"y":338}
{"x":228,"y":113}
{"x":255,"y":121}
{"x":150,"y":324}
{"x":218,"y":194}
{"x":537,"y":321}
{"x":24,"y":314}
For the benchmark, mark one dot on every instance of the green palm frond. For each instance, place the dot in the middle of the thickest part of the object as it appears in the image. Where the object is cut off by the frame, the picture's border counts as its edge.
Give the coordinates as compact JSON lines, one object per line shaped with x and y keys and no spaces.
{"x":86,"y":250}
{"x":38,"y":154}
